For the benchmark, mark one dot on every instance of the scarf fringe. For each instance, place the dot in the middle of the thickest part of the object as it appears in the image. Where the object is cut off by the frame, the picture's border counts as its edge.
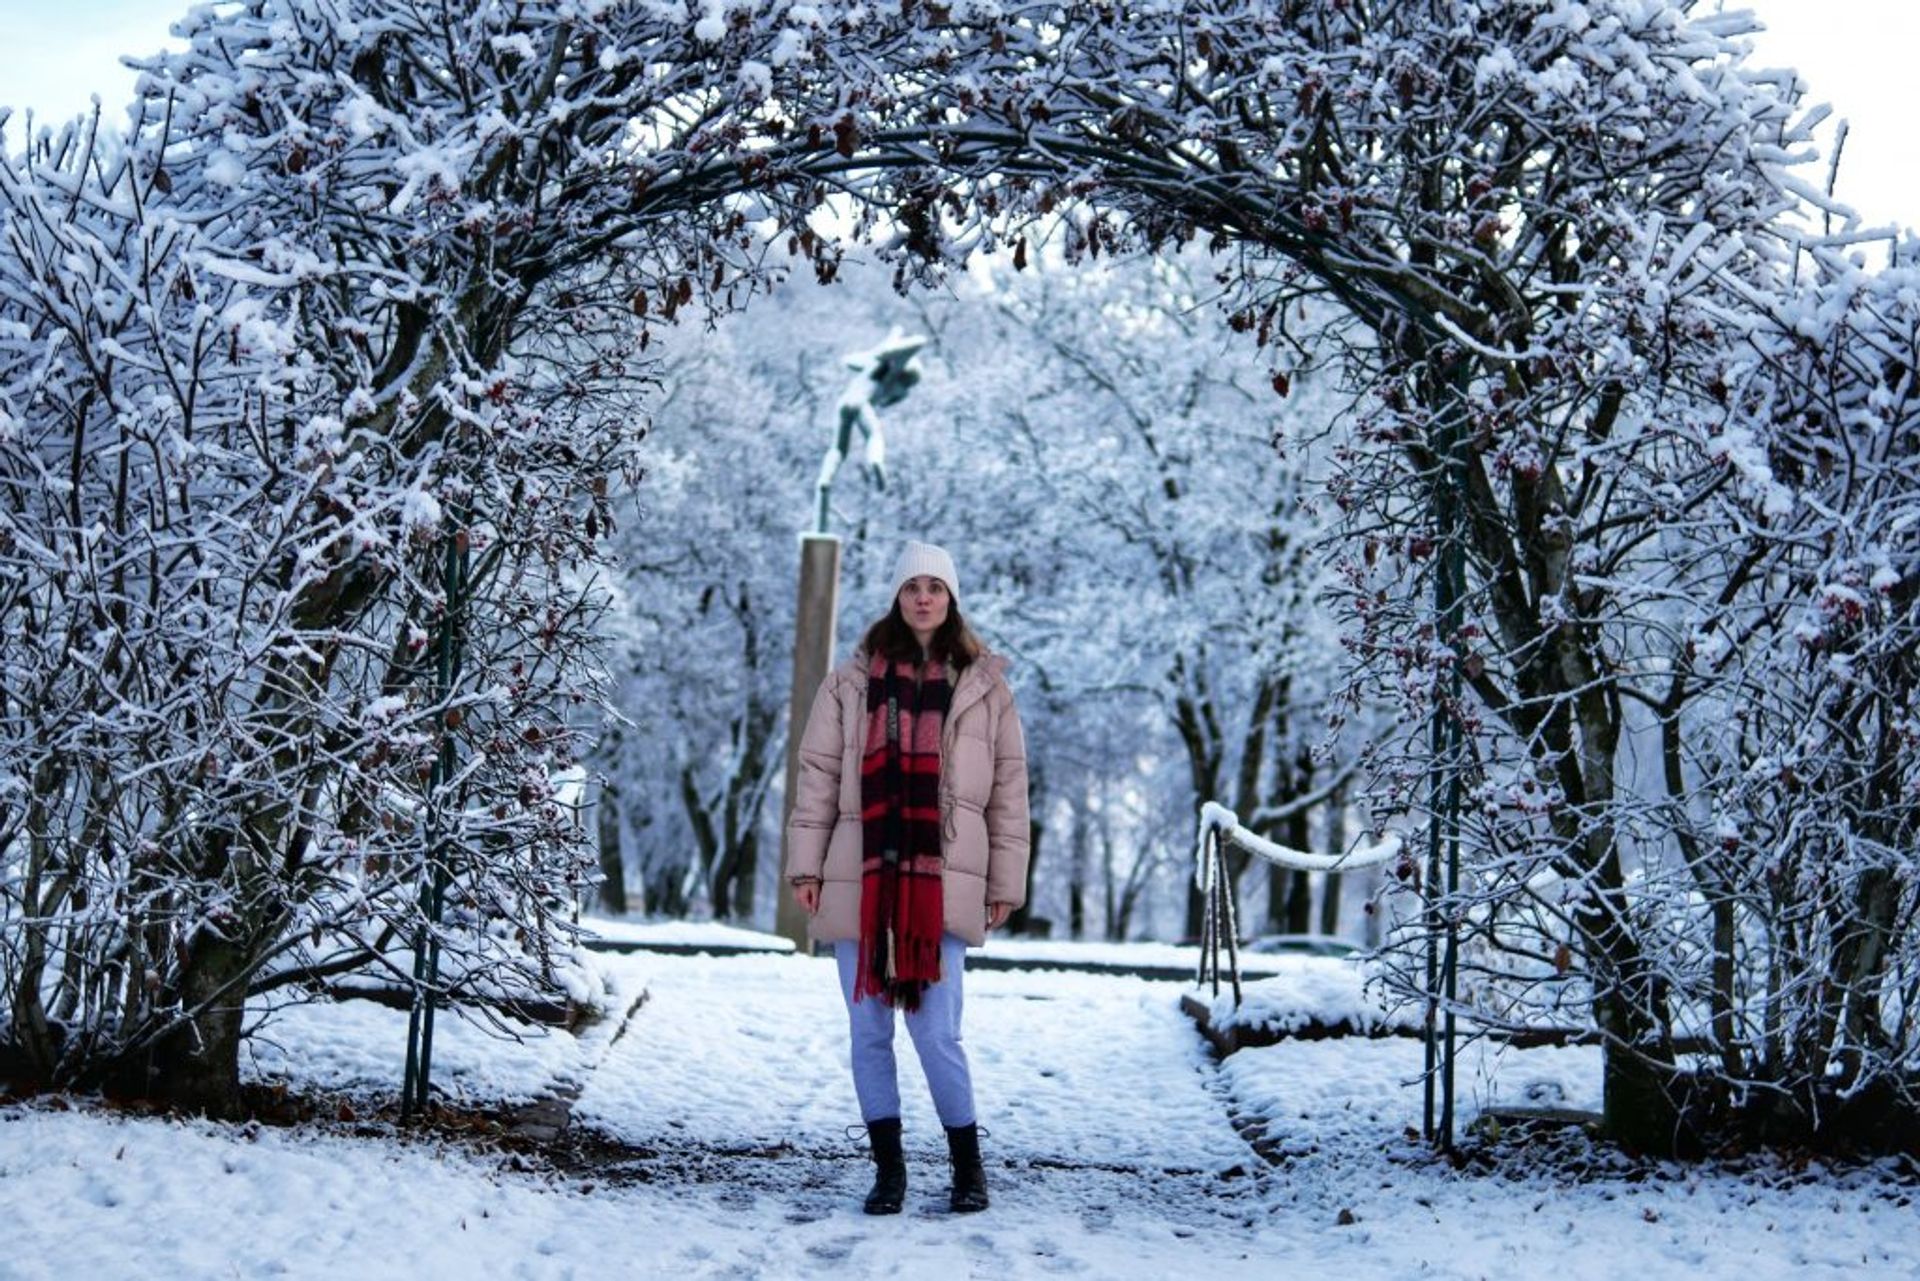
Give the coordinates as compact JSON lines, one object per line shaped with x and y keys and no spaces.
{"x":893,"y":969}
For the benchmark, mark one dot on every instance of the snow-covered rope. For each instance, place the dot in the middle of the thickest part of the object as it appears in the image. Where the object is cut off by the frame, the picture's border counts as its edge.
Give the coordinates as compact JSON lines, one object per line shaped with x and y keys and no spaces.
{"x":1218,"y":818}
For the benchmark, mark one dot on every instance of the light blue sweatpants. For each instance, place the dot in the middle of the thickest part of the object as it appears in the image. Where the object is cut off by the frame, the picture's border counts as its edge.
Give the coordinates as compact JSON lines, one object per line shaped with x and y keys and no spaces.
{"x":935,"y":1028}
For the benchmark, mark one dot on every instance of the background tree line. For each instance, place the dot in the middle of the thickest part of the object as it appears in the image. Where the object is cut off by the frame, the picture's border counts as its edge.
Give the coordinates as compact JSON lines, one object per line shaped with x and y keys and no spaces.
{"x":1108,"y":465}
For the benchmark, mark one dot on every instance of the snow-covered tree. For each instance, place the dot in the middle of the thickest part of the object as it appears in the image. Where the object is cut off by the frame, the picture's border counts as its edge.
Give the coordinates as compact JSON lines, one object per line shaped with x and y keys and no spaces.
{"x":704,"y":622}
{"x":1169,"y":543}
{"x":295,"y":549}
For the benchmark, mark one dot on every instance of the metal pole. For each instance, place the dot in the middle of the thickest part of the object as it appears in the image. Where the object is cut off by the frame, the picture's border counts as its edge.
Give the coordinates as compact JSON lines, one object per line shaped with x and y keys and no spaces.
{"x":1450,"y":591}
{"x":1444,"y":771}
{"x":1453,"y":609}
{"x":1429,"y":888}
{"x":433,"y":887}
{"x":1447,"y":821}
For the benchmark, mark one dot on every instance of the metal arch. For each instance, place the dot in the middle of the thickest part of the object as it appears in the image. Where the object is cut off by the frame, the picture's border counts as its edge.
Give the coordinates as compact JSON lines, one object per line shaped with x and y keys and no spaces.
{"x":1376,"y":294}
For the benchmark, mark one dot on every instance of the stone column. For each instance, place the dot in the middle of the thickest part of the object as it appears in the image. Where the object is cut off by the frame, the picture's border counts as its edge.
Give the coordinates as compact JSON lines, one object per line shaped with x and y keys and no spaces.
{"x":812,"y":659}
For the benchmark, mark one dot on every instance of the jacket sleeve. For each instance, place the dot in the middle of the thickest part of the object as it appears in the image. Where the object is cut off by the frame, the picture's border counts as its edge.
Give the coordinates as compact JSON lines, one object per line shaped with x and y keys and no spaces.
{"x":1009,"y":838}
{"x":816,"y":786}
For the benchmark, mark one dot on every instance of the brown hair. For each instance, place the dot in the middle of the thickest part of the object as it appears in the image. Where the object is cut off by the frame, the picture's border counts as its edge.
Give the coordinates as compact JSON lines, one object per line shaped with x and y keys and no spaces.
{"x":953,"y":641}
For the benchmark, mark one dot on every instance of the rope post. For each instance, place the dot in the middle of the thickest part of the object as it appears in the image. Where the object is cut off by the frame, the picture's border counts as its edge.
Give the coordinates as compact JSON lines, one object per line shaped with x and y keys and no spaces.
{"x":1209,"y":929}
{"x":1220,"y":918}
{"x":1232,"y":921}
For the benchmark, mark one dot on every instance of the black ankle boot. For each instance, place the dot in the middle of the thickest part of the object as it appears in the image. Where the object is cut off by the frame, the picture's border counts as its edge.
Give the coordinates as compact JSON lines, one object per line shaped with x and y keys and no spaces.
{"x":969,"y":1176}
{"x":889,"y":1167}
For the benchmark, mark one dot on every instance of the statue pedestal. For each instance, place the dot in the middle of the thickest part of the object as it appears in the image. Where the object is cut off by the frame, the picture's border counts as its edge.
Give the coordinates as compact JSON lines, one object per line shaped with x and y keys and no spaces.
{"x":812,"y":658}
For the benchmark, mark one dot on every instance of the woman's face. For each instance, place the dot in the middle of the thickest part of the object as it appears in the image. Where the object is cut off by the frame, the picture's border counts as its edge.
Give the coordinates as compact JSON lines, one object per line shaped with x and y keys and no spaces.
{"x":924,"y":603}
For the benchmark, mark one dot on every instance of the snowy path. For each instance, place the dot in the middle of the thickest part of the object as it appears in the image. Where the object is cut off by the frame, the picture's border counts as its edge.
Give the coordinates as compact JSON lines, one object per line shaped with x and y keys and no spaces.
{"x":754,"y":1051}
{"x":1100,"y":1099}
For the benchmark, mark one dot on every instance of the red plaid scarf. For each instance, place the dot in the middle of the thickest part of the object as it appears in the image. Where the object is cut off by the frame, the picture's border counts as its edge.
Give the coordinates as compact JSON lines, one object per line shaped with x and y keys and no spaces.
{"x":900,"y":903}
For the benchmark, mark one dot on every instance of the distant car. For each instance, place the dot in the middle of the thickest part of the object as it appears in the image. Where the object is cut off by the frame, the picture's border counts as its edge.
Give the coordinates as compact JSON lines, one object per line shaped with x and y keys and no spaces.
{"x":1300,"y":945}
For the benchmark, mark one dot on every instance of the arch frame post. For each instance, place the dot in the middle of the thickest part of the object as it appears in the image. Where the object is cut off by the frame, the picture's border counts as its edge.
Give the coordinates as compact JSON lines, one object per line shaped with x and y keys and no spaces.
{"x":1440,"y":886}
{"x":436,"y":875}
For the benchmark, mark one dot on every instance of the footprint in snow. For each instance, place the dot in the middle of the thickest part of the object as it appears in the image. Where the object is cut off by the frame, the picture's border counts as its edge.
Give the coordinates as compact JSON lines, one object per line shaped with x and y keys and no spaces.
{"x":833,"y":1251}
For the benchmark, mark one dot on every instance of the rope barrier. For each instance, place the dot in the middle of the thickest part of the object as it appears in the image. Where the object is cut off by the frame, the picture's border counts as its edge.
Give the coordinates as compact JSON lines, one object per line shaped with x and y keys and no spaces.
{"x":1219,"y":928}
{"x":1220,"y":819}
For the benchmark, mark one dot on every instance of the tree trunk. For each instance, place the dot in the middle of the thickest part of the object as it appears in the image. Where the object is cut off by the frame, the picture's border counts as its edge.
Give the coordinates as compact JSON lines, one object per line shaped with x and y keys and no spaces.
{"x":196,"y":1064}
{"x":1279,"y":884}
{"x":1639,"y":1105}
{"x":1122,"y":924}
{"x":743,"y":870}
{"x":613,"y":868}
{"x":1109,"y":885}
{"x":1336,"y":846}
{"x":666,"y":893}
{"x":1567,"y":708}
{"x":1638,"y":1102}
{"x":1081,"y":844}
{"x":1021,"y":919}
{"x":723,"y":880}
{"x":196,"y":1067}
{"x":1198,"y":723}
{"x":1123,"y":893}
{"x":32,"y":1035}
{"x":706,"y":839}
{"x":1716,"y":889}
{"x":1196,"y":912}
{"x":1299,"y":884}
{"x":735,"y":868}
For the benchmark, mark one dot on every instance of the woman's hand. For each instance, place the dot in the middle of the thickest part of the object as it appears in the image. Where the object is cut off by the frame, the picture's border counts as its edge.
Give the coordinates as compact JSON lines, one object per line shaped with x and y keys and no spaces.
{"x":807,"y":895}
{"x":997,"y":914}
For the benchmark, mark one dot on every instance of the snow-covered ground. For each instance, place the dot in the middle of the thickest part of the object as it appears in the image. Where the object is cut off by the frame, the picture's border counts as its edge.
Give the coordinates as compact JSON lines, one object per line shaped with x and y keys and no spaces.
{"x":1113,"y":1153}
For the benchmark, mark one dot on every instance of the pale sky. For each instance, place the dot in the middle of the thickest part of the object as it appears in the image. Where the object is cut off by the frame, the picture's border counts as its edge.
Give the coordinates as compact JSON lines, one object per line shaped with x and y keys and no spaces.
{"x":1857,"y":54}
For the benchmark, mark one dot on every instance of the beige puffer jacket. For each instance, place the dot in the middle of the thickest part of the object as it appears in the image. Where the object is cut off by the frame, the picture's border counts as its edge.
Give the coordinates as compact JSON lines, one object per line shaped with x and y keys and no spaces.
{"x":983,"y":800}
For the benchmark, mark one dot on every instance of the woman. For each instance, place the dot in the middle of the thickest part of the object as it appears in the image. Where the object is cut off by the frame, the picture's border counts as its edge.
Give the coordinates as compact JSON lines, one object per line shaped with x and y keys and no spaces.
{"x":907,"y":842}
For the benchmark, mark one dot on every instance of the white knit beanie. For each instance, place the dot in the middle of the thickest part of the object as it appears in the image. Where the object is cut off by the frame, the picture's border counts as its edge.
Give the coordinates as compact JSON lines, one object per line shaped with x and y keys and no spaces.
{"x":925,"y":558}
